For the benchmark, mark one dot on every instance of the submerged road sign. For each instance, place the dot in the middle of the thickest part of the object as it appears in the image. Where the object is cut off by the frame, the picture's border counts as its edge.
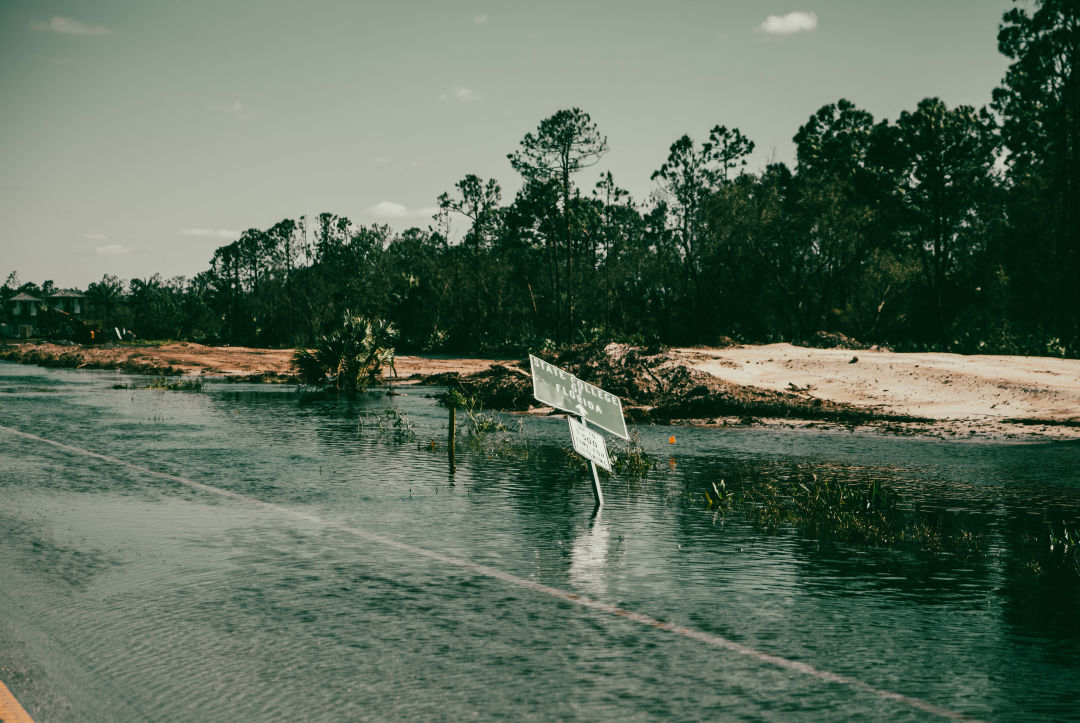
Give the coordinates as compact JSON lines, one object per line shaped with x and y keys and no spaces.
{"x":589,"y":444}
{"x":562,"y":390}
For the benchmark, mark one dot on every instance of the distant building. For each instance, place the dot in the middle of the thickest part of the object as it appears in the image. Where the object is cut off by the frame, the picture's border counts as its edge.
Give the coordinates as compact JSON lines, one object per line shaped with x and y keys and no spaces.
{"x":68,"y":301}
{"x":27,"y":315}
{"x":22,"y":311}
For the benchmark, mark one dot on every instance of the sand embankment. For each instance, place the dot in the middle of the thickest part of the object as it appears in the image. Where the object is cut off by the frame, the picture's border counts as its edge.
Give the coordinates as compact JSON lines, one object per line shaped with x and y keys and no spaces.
{"x":237,"y":363}
{"x":978,"y":395}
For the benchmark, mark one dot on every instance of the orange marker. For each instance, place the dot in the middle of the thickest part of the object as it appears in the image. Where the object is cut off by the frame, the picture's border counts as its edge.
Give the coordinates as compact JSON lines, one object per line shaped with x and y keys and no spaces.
{"x":671,"y":440}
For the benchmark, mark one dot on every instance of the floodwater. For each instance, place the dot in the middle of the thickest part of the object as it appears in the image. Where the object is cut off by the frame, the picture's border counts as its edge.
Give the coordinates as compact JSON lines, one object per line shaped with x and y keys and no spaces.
{"x":250,"y":553}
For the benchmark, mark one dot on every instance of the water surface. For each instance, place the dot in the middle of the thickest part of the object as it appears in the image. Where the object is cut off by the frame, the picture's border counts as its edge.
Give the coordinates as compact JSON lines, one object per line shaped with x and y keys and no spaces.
{"x":125,"y":596}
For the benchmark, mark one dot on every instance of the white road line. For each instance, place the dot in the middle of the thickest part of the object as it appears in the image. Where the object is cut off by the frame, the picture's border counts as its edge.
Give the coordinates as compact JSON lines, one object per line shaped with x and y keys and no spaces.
{"x":707,"y":638}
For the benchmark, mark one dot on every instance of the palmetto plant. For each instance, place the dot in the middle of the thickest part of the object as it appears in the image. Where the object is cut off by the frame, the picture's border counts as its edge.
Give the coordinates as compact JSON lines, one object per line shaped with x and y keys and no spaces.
{"x":351,"y":358}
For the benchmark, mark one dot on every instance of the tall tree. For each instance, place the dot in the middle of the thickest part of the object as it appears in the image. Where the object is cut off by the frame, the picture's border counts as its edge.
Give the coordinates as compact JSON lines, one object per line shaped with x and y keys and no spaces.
{"x":226,"y":267}
{"x":563,"y":145}
{"x":946,"y":177}
{"x":105,"y":297}
{"x":836,"y":188}
{"x":687,"y":179}
{"x":1039,"y":103}
{"x":477,"y":201}
{"x":284,"y":243}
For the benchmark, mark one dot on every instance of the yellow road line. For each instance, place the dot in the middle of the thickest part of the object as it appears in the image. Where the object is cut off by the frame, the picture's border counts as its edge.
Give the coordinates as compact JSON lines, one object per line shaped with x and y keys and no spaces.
{"x":10,"y":710}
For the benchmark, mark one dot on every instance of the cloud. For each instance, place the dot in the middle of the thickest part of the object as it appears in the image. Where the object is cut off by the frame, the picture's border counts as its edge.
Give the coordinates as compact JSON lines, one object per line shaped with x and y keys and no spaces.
{"x":112,"y":250}
{"x":217,"y":233}
{"x":481,"y":19}
{"x":236,"y":109}
{"x":67,"y":26}
{"x":459,"y":94}
{"x":388,"y":209}
{"x":789,"y":24}
{"x":382,"y":160}
{"x":391,"y":210}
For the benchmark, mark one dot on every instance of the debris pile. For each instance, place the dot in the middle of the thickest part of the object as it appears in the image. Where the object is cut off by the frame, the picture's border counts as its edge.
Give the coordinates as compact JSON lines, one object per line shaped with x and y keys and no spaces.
{"x":655,"y":386}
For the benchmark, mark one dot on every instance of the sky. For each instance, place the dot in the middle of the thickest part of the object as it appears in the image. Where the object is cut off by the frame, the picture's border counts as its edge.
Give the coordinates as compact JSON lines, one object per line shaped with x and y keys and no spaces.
{"x":136,"y":137}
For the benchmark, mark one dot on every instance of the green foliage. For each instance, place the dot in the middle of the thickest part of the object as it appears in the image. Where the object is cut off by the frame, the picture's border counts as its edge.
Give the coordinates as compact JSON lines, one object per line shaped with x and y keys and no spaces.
{"x":351,"y":358}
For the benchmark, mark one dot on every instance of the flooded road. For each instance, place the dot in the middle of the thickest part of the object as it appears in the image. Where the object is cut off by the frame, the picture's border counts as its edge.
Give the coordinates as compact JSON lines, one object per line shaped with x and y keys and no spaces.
{"x":247,"y":552}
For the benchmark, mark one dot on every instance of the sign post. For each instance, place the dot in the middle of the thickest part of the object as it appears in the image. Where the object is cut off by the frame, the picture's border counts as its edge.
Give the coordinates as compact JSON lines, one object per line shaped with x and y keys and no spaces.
{"x":591,"y":446}
{"x":563,"y":390}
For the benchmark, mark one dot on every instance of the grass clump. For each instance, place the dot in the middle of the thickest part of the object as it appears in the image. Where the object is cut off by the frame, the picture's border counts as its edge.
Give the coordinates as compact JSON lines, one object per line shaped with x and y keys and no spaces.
{"x":166,"y":384}
{"x":631,"y":459}
{"x":864,"y":513}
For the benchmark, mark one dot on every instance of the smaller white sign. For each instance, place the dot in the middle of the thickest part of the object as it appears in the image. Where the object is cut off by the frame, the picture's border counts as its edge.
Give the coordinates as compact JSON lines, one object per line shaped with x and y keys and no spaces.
{"x":589,"y":444}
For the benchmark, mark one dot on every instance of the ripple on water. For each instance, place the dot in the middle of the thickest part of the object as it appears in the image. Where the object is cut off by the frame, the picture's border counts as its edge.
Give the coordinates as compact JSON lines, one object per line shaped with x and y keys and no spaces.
{"x":268,"y":616}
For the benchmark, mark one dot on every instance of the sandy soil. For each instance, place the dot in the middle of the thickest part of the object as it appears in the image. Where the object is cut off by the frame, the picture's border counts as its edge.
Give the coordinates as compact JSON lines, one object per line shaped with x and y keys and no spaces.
{"x":982,"y":395}
{"x":239,"y":360}
{"x":231,"y":361}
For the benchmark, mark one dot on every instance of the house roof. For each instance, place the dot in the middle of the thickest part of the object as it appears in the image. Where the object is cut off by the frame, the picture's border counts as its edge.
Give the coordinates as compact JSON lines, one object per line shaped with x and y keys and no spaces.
{"x":23,"y":296}
{"x":65,"y":294}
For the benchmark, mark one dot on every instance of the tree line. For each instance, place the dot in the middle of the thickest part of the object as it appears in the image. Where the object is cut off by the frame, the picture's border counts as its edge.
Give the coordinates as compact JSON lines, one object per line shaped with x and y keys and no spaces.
{"x":949,"y":228}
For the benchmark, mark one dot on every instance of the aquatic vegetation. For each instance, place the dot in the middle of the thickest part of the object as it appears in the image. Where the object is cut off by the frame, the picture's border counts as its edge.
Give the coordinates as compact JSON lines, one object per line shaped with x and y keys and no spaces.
{"x":630,"y":458}
{"x":859,"y":513}
{"x":351,"y":358}
{"x":478,"y":422}
{"x":492,"y":438}
{"x":487,"y":434}
{"x":1052,"y":553}
{"x":1065,"y":547}
{"x":166,"y":384}
{"x":391,"y":422}
{"x":573,"y":460}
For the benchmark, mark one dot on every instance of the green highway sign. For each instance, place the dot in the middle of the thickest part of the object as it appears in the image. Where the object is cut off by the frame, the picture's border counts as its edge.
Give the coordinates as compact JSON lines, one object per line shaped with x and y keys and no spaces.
{"x":562,"y":390}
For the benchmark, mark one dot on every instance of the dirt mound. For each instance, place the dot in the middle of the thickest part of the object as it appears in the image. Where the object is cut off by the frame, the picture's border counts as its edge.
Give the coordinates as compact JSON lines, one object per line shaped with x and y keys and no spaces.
{"x":499,"y":387}
{"x":834,"y":340}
